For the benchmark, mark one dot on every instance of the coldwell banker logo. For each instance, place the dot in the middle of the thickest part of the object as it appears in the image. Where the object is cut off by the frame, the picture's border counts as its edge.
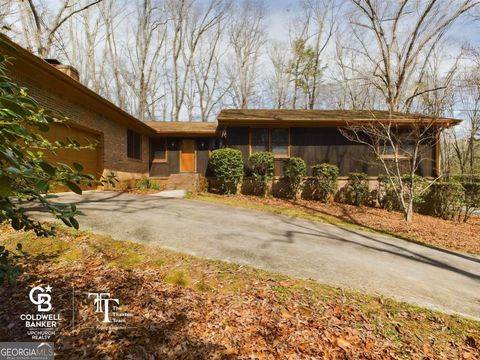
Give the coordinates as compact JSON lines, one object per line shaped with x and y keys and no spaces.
{"x":41,"y":325}
{"x":110,"y":308}
{"x":39,"y":297}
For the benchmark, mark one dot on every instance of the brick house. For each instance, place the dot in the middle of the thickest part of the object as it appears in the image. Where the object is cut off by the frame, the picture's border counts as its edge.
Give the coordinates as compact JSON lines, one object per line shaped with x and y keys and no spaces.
{"x":134,"y":149}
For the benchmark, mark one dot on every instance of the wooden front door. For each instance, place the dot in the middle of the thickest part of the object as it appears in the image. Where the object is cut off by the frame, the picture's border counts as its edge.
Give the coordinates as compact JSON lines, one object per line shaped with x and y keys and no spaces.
{"x":187,"y":156}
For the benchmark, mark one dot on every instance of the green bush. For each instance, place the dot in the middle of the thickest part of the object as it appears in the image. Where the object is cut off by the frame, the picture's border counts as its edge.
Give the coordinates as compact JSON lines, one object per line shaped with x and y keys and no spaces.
{"x":227,"y":167}
{"x":357,"y":189}
{"x":471,"y":199}
{"x":446,"y":200}
{"x":294,"y":169}
{"x":146,"y":183}
{"x":261,"y":164}
{"x":387,"y":196}
{"x":324,"y":182}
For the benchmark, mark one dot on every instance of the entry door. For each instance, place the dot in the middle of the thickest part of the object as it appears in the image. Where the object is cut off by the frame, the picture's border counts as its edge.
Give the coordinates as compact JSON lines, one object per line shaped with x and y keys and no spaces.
{"x":187,"y":156}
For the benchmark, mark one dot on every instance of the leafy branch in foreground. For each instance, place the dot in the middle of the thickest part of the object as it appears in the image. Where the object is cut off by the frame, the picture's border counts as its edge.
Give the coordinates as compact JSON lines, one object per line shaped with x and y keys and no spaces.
{"x":26,"y":176}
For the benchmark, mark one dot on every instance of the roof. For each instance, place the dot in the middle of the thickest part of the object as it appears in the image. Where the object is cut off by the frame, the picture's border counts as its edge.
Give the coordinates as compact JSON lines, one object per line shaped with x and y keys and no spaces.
{"x":184,"y":128}
{"x":320,"y":117}
{"x":26,"y":62}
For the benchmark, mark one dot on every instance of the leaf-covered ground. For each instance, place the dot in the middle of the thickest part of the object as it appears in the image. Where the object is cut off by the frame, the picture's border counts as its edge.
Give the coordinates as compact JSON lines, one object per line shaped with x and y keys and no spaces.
{"x":425,"y":229}
{"x":189,"y":308}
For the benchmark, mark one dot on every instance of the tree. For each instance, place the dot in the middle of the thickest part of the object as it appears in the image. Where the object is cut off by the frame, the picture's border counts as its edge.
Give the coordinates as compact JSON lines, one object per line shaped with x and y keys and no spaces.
{"x":397,"y":39}
{"x":400,"y":148}
{"x":45,"y":27}
{"x":26,"y":176}
{"x":246,"y":37}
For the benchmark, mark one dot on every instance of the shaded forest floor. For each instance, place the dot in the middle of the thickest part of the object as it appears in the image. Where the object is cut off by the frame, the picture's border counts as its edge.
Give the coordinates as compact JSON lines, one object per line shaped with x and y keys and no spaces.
{"x":425,"y":229}
{"x":185,"y":307}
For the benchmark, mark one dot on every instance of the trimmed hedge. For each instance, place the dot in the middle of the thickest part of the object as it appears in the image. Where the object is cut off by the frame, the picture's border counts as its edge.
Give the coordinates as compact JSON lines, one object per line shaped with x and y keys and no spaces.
{"x":472,"y":198}
{"x":323,"y":184}
{"x":261,"y":166}
{"x":227,"y":167}
{"x":294,"y":169}
{"x":357,"y":189}
{"x":445,"y":200}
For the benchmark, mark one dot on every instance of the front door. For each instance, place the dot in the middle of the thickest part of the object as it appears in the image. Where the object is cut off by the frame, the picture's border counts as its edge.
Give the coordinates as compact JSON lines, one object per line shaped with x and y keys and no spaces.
{"x":187,"y":156}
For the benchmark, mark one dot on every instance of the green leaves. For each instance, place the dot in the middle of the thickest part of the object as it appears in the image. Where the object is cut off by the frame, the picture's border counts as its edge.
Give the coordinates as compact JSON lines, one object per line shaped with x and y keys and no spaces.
{"x":74,"y":187}
{"x":5,"y":185}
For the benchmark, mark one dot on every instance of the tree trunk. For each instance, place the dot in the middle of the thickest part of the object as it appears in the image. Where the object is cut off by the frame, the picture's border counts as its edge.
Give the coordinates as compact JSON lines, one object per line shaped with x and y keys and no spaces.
{"x":409,"y":212}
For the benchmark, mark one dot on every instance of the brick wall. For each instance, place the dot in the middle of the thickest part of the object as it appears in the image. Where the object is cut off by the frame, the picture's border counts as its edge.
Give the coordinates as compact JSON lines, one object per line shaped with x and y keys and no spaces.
{"x":114,"y":147}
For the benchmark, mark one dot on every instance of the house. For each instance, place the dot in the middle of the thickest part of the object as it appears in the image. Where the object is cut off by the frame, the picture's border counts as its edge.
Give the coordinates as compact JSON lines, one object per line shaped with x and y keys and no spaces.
{"x":134,"y":149}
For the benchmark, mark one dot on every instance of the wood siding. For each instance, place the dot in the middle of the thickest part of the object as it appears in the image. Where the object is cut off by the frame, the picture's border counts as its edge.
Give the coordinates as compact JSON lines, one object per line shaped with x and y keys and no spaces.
{"x":326,"y":144}
{"x":172,"y":163}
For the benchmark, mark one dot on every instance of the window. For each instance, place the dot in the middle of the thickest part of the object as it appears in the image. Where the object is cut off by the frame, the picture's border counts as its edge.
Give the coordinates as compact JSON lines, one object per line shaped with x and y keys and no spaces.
{"x":401,"y":150}
{"x":159,"y":150}
{"x":279,"y":142}
{"x":134,"y":144}
{"x":275,"y":140}
{"x":259,"y":140}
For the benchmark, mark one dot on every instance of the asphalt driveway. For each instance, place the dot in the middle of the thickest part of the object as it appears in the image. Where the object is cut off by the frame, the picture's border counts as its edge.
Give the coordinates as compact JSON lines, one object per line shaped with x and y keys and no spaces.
{"x":392,"y":267}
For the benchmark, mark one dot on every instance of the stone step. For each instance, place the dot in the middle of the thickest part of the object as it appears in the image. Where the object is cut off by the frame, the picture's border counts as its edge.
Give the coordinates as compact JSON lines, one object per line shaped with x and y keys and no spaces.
{"x":185,"y":181}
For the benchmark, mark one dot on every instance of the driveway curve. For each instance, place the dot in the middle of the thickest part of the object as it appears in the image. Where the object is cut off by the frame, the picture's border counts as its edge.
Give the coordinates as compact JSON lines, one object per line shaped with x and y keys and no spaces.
{"x":388,"y":266}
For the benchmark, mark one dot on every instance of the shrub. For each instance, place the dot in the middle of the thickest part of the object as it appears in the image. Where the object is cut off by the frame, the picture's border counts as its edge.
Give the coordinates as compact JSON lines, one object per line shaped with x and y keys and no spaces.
{"x":146,"y":183}
{"x":294,"y":169}
{"x":261,"y":166}
{"x":387,"y":197}
{"x":227,"y":166}
{"x":471,"y":199}
{"x":357,"y":189}
{"x":324,"y":181}
{"x":445,"y":200}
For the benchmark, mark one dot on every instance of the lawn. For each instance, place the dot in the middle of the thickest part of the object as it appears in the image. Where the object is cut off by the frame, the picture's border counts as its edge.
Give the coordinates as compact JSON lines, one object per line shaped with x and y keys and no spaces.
{"x":191,"y":308}
{"x":424,"y":229}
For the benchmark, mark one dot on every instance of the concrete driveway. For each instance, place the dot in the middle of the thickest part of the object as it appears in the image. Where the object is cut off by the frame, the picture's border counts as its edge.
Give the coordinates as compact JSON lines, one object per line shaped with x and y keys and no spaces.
{"x":392,"y":267}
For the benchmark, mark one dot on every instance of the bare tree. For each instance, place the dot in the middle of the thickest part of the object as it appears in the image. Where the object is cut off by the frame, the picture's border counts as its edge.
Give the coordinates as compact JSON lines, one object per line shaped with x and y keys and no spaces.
{"x":45,"y":25}
{"x":397,"y":38}
{"x":112,"y":17}
{"x":466,"y":141}
{"x":144,"y":58}
{"x":280,"y":80}
{"x":400,"y":147}
{"x":247,"y":35}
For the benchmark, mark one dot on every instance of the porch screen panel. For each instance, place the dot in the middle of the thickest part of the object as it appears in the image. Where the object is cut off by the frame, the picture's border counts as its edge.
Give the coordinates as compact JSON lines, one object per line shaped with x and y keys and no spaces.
{"x":259,"y":140}
{"x":280,"y":142}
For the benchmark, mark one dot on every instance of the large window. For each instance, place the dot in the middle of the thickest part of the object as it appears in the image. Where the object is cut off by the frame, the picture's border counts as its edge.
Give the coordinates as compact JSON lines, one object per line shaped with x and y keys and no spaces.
{"x":279,"y":142}
{"x":259,"y":140}
{"x":275,"y":140}
{"x":134,"y":145}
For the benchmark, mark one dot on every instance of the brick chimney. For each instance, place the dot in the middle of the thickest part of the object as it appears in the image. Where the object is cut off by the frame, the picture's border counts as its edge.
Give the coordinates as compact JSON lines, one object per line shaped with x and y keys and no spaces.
{"x":66,"y":69}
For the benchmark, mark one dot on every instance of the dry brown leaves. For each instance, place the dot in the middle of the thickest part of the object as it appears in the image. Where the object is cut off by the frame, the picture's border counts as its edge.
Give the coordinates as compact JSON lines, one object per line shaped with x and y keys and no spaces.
{"x":172,"y":322}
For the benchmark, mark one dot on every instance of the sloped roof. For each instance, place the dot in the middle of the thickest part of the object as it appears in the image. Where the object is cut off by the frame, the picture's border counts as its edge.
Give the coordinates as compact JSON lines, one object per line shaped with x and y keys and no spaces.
{"x":29,"y":64}
{"x":180,"y":128}
{"x":333,"y":117}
